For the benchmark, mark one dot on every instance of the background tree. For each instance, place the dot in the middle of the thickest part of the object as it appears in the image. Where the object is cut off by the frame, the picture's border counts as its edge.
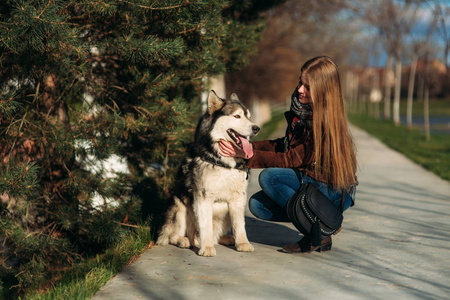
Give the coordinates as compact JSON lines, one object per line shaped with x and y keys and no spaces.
{"x":394,"y":20}
{"x":441,"y":13}
{"x":388,"y":87}
{"x":296,"y":31}
{"x":412,"y":77}
{"x":420,"y":42}
{"x":84,"y":80}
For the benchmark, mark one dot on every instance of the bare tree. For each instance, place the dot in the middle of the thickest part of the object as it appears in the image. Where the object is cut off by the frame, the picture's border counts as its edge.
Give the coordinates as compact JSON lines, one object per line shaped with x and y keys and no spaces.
{"x":423,"y":48}
{"x":427,"y":78}
{"x":426,"y":112}
{"x":412,"y":76}
{"x":421,"y":44}
{"x":430,"y":75}
{"x":295,"y":32}
{"x":388,"y":88}
{"x":394,"y":20}
{"x":397,"y":89}
{"x":441,"y":13}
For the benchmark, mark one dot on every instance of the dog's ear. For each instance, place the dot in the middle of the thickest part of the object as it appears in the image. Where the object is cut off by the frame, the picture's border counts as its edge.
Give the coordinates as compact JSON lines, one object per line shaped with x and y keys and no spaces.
{"x":214,"y":102}
{"x":234,"y":97}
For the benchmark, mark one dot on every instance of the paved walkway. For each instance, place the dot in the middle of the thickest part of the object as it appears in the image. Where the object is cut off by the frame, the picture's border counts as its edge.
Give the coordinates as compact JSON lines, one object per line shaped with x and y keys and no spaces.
{"x":395,"y":245}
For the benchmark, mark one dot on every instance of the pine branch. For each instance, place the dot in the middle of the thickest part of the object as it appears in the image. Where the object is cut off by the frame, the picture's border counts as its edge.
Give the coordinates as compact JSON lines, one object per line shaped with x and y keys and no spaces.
{"x":156,"y":8}
{"x":45,"y":8}
{"x":17,"y":135}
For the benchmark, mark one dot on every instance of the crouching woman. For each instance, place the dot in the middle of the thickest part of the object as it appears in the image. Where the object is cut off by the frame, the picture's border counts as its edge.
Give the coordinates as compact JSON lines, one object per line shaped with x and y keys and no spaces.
{"x":317,"y":143}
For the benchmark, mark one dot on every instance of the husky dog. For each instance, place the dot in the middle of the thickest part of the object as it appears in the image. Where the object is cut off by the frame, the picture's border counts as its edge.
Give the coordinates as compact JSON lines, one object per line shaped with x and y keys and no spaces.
{"x":211,"y":190}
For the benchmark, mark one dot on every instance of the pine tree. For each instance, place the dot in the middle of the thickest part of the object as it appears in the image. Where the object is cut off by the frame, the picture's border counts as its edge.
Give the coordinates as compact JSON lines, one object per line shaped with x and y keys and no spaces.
{"x":83,"y":80}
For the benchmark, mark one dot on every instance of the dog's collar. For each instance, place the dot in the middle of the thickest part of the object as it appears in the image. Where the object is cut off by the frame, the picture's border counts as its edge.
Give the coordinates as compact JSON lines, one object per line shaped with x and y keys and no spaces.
{"x":216,"y":162}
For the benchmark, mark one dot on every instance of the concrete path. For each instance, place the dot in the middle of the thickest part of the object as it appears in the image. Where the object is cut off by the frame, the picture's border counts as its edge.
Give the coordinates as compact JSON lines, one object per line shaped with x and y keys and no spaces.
{"x":395,"y":245}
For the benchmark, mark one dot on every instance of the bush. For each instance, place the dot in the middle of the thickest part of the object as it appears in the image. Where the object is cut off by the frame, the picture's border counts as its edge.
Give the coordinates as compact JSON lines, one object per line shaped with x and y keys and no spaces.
{"x":84,"y":81}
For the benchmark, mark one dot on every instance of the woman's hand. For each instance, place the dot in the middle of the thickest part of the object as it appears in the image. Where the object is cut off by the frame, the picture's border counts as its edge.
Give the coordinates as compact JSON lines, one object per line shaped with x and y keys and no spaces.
{"x":227,"y":149}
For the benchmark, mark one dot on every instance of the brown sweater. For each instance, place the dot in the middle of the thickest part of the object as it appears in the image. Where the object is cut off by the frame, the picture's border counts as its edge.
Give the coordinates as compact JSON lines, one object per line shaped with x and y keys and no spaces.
{"x":299,"y":154}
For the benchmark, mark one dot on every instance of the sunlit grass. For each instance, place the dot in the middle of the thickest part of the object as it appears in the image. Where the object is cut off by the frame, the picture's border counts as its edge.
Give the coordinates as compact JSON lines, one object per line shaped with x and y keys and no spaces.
{"x":271,"y":126}
{"x":434,"y":154}
{"x":87,"y":277}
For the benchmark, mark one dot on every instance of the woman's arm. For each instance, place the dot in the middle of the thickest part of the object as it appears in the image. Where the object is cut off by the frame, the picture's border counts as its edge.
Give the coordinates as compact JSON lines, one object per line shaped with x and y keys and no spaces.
{"x":276,"y":145}
{"x":297,"y":156}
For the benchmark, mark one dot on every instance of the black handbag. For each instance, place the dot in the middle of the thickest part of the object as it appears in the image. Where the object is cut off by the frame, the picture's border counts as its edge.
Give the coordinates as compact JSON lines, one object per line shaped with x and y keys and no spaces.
{"x":313,"y":214}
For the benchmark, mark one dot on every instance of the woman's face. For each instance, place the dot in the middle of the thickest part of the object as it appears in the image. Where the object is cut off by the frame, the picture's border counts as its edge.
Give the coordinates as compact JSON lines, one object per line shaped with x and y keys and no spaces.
{"x":303,"y":90}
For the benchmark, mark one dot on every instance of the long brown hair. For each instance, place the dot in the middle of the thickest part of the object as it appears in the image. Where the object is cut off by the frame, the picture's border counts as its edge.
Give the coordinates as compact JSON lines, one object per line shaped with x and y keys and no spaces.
{"x":335,"y":157}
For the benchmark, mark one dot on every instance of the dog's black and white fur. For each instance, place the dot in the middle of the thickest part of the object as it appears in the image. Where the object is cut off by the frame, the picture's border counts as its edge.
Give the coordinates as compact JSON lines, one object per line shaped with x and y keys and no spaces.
{"x":211,"y":192}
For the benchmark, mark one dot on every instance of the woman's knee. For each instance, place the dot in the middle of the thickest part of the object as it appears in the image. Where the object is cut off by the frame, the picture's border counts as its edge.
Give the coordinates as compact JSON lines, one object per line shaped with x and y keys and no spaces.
{"x":264,"y":175}
{"x":267,"y":177}
{"x":271,"y":177}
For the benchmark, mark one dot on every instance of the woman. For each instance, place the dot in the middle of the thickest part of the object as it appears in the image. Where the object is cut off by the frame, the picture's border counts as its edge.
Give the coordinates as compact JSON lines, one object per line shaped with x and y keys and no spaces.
{"x":317,"y":143}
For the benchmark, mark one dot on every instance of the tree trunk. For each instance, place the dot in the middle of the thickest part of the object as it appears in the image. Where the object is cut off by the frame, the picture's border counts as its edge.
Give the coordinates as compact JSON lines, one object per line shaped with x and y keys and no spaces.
{"x":412,"y":76}
{"x":387,"y":89}
{"x":426,"y":120}
{"x":420,"y":87}
{"x":355,"y":92}
{"x":398,"y":81}
{"x":376,"y":98}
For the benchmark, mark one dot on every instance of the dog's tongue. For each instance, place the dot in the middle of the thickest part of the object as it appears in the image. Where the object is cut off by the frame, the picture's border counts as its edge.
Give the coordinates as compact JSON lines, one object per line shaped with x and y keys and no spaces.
{"x":246,"y":147}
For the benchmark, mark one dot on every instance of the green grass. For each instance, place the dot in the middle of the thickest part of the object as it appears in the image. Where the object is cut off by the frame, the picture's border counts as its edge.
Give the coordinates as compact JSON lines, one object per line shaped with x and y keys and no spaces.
{"x":271,"y":126}
{"x":88,"y":276}
{"x":437,"y":107}
{"x":434,"y":154}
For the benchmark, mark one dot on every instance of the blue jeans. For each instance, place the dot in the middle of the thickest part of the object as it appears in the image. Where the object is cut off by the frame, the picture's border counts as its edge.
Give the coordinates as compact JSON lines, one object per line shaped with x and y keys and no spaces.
{"x":278,"y":185}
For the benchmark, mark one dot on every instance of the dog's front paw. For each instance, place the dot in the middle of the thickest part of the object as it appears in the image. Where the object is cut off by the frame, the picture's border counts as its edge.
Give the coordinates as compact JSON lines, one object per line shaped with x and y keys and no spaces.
{"x":183,"y":242}
{"x":207,"y":251}
{"x":245,"y":247}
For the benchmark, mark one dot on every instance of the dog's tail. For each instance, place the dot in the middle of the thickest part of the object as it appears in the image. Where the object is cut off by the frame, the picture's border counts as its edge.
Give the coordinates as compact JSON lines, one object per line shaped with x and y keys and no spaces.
{"x":167,"y":230}
{"x":174,"y":225}
{"x":163,"y":237}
